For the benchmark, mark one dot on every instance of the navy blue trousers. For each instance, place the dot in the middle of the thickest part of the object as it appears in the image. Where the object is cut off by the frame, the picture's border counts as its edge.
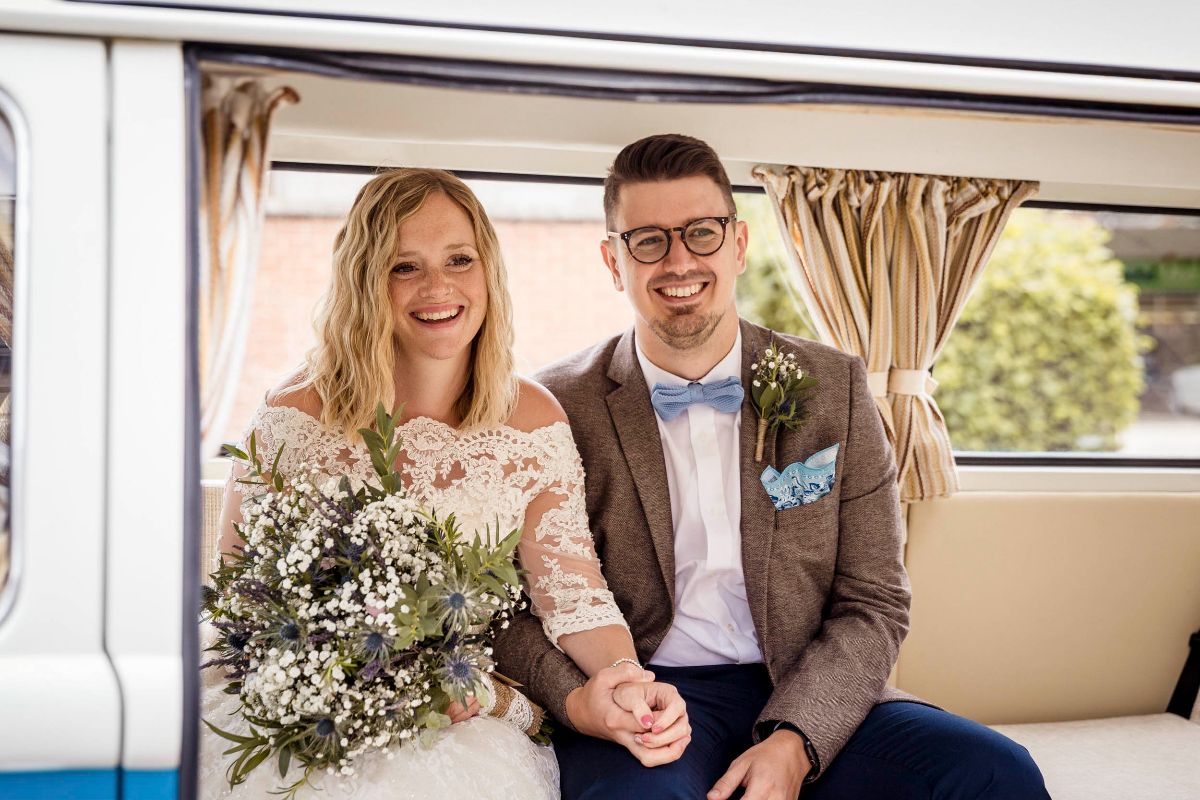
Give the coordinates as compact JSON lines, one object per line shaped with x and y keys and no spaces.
{"x":901,"y":751}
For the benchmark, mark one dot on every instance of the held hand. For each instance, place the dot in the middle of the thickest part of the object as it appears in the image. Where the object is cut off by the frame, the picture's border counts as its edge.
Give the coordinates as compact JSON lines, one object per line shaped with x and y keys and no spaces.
{"x":658,"y":709}
{"x":457,"y":713}
{"x":773,"y":769}
{"x":593,"y":710}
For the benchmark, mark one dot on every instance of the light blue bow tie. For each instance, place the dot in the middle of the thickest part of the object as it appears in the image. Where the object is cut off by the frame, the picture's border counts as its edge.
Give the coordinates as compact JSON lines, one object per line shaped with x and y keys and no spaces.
{"x":671,"y":401}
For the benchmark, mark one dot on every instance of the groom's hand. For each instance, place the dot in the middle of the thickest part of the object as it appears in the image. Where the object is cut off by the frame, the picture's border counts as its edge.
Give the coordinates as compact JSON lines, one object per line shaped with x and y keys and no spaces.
{"x":593,"y":710}
{"x":773,"y":769}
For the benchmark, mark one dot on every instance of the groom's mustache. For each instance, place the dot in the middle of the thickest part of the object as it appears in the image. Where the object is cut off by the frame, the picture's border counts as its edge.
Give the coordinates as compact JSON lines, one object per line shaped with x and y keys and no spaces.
{"x":695,"y":276}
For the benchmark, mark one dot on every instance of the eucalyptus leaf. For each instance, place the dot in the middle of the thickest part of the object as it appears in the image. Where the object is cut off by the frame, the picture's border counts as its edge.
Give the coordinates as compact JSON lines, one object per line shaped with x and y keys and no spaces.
{"x":275,"y":462}
{"x":235,"y":452}
{"x":233,"y":737}
{"x":769,"y":397}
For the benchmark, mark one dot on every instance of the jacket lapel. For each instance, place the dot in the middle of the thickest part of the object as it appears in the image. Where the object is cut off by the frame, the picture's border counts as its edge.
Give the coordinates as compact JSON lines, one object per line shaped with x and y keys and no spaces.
{"x":758,"y":513}
{"x":637,"y":430}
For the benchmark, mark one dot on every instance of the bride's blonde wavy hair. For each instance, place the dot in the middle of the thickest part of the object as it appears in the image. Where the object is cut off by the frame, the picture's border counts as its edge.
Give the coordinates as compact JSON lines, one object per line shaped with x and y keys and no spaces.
{"x":352,"y":366}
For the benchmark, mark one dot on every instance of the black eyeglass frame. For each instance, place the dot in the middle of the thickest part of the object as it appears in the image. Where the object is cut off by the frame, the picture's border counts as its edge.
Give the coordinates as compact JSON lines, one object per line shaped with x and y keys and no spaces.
{"x":625,"y":237}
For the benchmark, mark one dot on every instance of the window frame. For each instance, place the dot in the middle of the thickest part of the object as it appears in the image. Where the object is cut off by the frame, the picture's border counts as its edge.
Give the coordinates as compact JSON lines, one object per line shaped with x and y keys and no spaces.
{"x":13,"y":117}
{"x":961,"y":458}
{"x":981,"y":458}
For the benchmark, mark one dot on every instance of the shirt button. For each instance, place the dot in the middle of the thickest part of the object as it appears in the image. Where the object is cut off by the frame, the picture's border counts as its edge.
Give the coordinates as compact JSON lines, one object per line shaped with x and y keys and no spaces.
{"x":730,"y":628}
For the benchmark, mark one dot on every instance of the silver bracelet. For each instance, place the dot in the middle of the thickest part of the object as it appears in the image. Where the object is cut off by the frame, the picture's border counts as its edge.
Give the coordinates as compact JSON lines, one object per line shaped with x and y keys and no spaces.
{"x":620,"y":661}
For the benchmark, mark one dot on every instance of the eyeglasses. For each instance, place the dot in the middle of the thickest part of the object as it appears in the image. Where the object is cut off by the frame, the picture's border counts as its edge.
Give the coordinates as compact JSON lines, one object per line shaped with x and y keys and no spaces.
{"x":702,"y":237}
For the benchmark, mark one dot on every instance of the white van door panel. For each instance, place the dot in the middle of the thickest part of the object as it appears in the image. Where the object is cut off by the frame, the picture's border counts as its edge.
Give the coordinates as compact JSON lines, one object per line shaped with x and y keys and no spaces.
{"x":146,"y":399}
{"x":57,"y":688}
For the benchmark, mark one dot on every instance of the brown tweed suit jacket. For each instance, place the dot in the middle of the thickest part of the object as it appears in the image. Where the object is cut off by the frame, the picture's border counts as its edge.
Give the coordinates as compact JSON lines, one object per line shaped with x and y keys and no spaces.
{"x":826,"y":584}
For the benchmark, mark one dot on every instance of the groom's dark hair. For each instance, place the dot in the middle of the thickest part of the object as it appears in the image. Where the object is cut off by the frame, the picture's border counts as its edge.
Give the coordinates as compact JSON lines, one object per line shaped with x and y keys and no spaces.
{"x":663,"y":157}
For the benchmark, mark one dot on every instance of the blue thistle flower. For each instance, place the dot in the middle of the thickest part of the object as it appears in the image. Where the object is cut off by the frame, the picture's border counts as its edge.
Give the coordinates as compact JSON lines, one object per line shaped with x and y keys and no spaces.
{"x":460,"y":674}
{"x":373,"y":645}
{"x":459,"y":605}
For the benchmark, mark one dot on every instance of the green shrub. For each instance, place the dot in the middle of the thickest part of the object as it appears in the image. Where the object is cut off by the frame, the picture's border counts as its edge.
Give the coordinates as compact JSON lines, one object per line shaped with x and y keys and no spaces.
{"x":1046,"y":355}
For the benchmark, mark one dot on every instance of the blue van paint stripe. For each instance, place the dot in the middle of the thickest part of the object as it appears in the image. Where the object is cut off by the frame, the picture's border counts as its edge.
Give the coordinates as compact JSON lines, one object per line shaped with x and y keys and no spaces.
{"x":90,"y":784}
{"x":149,"y":784}
{"x":70,"y":784}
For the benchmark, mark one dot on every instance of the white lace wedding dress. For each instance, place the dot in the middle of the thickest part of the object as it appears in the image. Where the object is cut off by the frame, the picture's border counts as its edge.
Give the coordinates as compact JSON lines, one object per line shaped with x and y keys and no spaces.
{"x":530,"y":480}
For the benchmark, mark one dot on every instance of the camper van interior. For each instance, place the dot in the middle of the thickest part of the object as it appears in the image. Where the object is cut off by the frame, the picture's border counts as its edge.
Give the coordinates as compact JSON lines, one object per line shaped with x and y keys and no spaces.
{"x":1055,"y":576}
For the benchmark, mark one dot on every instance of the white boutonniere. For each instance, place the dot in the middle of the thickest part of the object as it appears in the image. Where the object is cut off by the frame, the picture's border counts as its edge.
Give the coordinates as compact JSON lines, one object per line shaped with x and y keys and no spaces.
{"x":778,"y":391}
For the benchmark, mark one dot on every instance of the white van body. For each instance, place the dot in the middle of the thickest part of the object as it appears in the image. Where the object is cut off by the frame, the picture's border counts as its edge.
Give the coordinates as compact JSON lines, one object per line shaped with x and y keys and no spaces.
{"x":1100,"y":102}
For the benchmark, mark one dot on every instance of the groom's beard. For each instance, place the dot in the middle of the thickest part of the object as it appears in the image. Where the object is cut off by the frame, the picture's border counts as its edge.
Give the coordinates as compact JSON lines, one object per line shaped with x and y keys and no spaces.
{"x":683,"y":329}
{"x":686,"y":331}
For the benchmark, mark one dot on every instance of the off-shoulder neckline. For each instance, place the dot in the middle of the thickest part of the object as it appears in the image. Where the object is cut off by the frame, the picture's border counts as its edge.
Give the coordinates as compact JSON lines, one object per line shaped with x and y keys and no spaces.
{"x":454,"y":432}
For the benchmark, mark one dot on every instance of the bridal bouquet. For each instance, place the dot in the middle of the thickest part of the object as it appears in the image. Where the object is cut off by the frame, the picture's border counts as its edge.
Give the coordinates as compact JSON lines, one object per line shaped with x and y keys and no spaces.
{"x":352,"y":617}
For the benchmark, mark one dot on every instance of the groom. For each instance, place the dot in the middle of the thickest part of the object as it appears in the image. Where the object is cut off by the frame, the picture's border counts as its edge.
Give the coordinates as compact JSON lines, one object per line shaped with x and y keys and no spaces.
{"x":778,"y":622}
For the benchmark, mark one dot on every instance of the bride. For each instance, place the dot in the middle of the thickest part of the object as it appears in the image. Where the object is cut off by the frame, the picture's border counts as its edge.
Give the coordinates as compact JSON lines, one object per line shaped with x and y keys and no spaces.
{"x":418,"y":316}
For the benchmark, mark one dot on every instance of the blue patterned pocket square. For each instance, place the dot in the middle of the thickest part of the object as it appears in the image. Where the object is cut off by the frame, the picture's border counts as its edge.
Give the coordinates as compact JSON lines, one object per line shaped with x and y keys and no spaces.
{"x":803,"y":482}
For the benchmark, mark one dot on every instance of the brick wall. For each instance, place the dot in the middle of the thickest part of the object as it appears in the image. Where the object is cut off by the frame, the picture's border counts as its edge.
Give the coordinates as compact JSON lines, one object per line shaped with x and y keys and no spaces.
{"x":563,"y":299}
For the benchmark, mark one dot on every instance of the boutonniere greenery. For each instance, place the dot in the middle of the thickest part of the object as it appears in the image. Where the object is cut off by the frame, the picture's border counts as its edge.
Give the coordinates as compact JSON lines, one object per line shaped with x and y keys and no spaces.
{"x":778,"y":391}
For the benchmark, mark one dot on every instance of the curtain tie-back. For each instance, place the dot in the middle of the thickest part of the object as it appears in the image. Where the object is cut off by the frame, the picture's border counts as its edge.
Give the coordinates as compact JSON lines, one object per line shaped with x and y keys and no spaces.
{"x":901,"y":381}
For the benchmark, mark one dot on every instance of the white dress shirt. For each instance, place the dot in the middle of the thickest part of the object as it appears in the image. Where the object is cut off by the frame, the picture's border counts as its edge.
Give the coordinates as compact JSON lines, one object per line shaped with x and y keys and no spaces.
{"x":712,"y":623}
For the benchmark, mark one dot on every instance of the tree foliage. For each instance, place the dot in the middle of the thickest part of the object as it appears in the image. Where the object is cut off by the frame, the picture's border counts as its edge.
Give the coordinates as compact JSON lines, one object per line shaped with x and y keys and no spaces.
{"x":1046,"y":355}
{"x":763,"y":295}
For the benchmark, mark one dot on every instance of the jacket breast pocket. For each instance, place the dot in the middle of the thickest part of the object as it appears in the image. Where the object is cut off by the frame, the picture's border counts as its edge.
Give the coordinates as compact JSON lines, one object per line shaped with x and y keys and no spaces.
{"x":806,"y":535}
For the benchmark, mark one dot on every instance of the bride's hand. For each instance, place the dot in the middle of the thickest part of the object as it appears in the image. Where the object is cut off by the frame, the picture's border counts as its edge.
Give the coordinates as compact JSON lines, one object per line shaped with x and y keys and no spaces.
{"x":662,"y":716}
{"x":457,"y":713}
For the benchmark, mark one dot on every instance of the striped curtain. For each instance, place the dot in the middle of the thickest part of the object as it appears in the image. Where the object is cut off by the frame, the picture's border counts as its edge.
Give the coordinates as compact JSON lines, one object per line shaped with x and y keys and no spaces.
{"x":885,"y":263}
{"x":235,"y":124}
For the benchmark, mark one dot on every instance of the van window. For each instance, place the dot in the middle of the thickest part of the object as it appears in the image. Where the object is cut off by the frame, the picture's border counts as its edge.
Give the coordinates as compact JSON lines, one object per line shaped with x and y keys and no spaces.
{"x":1083,"y":335}
{"x":8,"y":197}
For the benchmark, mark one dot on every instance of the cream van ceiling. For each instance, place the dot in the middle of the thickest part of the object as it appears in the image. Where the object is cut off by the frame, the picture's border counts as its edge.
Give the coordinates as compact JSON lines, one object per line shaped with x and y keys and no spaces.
{"x":348,"y":121}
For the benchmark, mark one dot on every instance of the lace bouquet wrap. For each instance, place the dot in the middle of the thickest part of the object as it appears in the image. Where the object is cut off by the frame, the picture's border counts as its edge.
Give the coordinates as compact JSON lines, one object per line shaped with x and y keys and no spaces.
{"x":352,"y":618}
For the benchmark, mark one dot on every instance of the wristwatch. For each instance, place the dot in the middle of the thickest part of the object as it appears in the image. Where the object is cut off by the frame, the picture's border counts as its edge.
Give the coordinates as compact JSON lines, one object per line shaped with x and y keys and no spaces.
{"x":768,"y":727}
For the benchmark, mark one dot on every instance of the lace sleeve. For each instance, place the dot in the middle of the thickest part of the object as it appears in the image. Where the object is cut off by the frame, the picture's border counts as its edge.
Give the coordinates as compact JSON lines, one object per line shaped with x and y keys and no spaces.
{"x":565,"y":583}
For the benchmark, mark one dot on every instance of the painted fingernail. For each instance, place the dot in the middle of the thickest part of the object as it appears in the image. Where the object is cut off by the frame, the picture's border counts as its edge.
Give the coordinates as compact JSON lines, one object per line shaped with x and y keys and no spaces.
{"x":647,"y":720}
{"x":638,"y":739}
{"x":656,"y":729}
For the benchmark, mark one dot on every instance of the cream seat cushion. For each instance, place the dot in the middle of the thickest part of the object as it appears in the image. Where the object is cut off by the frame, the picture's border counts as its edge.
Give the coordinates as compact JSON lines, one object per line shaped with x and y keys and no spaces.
{"x":1045,"y":606}
{"x":1152,"y":757}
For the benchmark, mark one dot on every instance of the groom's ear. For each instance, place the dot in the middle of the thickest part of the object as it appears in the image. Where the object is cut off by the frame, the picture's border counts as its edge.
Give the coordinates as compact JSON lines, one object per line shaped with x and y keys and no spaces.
{"x":610,"y":260}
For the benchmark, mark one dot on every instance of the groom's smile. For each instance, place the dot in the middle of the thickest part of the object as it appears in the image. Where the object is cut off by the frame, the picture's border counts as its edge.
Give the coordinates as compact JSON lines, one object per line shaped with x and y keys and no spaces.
{"x":683,"y":294}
